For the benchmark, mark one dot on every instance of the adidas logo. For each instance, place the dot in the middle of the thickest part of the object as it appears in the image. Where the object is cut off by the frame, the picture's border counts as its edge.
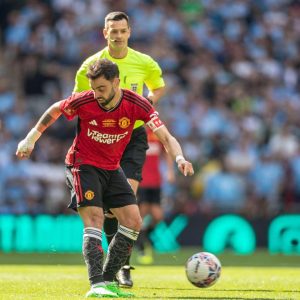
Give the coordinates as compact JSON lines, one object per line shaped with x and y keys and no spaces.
{"x":93,"y":122}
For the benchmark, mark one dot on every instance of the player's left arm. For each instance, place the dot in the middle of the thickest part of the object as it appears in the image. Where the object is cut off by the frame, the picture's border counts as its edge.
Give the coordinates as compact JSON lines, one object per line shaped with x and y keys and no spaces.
{"x":174,"y":150}
{"x":50,"y":116}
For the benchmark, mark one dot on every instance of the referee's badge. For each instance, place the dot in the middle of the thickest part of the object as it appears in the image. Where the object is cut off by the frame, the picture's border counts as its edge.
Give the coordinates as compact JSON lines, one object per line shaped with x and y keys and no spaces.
{"x":124,"y":122}
{"x":134,"y":87}
{"x":89,"y":195}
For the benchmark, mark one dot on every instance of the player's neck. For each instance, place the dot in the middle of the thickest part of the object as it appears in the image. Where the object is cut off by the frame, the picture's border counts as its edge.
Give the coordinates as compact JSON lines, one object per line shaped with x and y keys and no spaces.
{"x":118,"y":53}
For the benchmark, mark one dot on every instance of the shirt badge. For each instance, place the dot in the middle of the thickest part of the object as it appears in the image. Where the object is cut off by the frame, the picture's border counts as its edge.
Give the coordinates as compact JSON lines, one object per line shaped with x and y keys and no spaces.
{"x":109,"y":123}
{"x":124,"y":122}
{"x":89,"y":195}
{"x":133,"y":87}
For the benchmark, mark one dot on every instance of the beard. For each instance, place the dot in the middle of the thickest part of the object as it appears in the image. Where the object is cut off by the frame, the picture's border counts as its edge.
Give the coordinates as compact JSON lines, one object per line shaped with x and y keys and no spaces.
{"x":108,"y":99}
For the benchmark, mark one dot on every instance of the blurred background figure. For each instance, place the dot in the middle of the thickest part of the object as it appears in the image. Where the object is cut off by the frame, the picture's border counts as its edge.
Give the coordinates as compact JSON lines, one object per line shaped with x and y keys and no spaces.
{"x":150,"y":194}
{"x":232,"y":97}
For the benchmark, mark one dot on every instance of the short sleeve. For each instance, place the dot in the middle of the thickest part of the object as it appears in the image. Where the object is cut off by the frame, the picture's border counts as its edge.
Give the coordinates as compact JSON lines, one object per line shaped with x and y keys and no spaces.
{"x":154,"y":80}
{"x":66,"y":107}
{"x":154,"y":122}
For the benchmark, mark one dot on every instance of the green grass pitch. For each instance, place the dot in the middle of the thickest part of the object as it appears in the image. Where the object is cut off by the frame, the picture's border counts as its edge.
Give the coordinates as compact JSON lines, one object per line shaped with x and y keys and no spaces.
{"x":61,"y":276}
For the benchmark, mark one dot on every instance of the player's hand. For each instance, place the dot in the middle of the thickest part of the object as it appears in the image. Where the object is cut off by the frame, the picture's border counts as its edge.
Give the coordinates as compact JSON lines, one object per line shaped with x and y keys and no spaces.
{"x":26,"y":146}
{"x":185,"y":167}
{"x":24,"y":149}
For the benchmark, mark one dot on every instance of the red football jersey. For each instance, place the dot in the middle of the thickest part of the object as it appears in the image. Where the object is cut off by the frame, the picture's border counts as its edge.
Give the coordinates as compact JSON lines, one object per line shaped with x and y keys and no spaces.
{"x":103,"y":134}
{"x":151,"y":169}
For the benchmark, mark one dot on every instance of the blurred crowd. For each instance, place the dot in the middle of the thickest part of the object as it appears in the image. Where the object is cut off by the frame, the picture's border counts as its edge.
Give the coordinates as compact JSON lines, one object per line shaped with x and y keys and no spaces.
{"x":232,"y":69}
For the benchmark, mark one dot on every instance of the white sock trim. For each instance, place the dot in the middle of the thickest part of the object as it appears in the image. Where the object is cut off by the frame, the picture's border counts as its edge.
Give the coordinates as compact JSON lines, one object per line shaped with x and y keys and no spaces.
{"x":92,"y":232}
{"x":130,"y":233}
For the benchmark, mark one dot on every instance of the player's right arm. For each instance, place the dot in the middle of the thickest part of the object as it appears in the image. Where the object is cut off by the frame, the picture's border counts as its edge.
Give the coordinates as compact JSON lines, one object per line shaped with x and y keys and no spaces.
{"x":26,"y":146}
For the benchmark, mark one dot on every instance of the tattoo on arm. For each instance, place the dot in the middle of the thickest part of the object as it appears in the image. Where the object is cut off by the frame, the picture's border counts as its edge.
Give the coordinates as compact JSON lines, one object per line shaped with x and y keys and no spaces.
{"x":48,"y":117}
{"x":46,"y":120}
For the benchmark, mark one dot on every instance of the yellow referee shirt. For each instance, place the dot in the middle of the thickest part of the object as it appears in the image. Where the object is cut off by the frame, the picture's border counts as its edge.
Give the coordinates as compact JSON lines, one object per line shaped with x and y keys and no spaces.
{"x":136,"y":69}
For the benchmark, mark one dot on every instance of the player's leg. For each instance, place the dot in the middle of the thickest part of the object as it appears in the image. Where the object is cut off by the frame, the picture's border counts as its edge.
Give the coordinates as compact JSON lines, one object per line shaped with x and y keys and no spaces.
{"x":121,"y":201}
{"x":142,"y":240}
{"x":156,"y":210}
{"x":111,"y":223}
{"x":144,"y":206}
{"x":102,"y":283}
{"x":92,"y":218}
{"x":156,"y":213}
{"x":86,"y":194}
{"x":110,"y":226}
{"x":121,"y":246}
{"x":132,"y":164}
{"x":151,"y":207}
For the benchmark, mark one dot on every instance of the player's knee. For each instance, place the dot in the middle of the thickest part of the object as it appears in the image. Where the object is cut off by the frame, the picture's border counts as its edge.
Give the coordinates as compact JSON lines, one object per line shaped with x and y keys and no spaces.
{"x":139,"y":223}
{"x":92,"y":218}
{"x":109,"y":215}
{"x":134,"y":222}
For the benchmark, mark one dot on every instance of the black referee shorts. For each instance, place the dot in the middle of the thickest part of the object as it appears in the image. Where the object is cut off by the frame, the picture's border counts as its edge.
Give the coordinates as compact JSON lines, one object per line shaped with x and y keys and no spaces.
{"x":92,"y":186}
{"x":135,"y":154}
{"x":149,"y":195}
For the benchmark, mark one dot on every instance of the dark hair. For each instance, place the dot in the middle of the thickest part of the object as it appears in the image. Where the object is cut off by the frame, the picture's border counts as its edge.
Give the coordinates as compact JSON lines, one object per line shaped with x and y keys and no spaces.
{"x":103,"y":67}
{"x":116,"y":16}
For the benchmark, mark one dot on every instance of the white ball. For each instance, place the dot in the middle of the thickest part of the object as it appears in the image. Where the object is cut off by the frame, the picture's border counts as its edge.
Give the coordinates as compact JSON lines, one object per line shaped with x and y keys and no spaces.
{"x":203,"y":269}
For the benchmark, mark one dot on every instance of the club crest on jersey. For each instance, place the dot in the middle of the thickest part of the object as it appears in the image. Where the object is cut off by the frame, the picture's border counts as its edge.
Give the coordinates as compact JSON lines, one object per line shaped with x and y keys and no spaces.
{"x":89,"y":195}
{"x":124,"y":122}
{"x":109,"y":123}
{"x":134,"y":87}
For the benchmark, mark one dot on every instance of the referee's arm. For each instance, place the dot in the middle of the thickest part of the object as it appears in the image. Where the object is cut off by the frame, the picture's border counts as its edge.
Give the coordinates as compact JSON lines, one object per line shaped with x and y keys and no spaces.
{"x":156,"y":94}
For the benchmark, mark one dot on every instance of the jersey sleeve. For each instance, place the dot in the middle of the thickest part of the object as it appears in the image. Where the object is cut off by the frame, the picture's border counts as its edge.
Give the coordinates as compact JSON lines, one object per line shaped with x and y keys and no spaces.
{"x":154,"y":121}
{"x":67,"y":106}
{"x":150,"y":117}
{"x":154,"y":80}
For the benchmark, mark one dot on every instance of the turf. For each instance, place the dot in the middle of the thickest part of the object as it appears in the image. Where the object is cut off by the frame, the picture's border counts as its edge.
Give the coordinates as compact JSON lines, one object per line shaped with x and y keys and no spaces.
{"x":259,"y":276}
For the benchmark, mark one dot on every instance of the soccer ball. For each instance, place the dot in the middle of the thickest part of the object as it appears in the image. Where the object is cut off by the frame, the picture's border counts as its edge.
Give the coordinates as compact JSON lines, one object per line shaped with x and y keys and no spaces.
{"x":203,"y":269}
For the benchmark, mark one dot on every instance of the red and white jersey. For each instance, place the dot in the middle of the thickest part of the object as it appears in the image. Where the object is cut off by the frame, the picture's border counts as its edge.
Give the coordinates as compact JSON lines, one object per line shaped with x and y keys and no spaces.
{"x":103,"y":134}
{"x":151,"y":169}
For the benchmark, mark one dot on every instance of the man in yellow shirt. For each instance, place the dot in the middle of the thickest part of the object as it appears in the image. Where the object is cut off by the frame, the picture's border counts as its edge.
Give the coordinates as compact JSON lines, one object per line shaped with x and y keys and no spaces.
{"x":136,"y":70}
